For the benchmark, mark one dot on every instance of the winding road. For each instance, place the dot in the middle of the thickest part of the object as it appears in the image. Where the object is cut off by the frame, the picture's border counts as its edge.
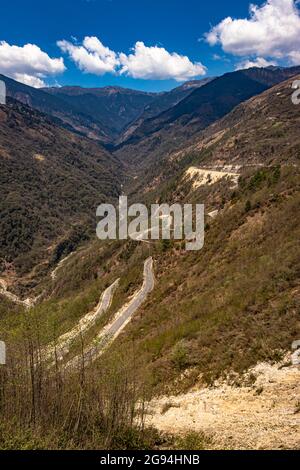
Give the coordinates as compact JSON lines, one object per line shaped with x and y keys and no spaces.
{"x":27,"y":303}
{"x":60,"y":264}
{"x":110,"y":332}
{"x":64,"y":342}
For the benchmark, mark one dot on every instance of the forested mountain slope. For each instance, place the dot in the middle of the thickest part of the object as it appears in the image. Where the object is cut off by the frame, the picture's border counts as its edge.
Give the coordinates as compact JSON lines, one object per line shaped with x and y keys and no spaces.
{"x":51,"y":183}
{"x":173,"y":129}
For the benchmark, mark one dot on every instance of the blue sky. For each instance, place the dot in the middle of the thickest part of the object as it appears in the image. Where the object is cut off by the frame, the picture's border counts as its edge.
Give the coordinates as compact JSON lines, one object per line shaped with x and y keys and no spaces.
{"x":173,"y":26}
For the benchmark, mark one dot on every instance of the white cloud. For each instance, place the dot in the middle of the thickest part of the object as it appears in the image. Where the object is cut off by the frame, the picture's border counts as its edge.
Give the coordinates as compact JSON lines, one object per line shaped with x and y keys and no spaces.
{"x":30,"y":80}
{"x":92,"y":56}
{"x":258,"y":62}
{"x":272,"y":31}
{"x":222,"y":58}
{"x":28,"y":64}
{"x":295,"y":57}
{"x":159,"y":64}
{"x":143,"y":62}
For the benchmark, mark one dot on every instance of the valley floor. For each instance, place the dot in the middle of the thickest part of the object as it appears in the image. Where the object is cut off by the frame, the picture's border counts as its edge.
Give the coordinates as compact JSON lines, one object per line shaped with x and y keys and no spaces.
{"x":263,"y":415}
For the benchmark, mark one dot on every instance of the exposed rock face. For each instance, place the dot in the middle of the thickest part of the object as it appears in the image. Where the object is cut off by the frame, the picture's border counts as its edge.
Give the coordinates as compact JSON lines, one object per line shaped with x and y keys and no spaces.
{"x":264,"y":415}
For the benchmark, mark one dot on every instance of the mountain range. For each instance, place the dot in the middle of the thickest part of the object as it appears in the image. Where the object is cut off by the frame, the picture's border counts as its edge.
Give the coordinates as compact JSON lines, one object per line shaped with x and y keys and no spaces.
{"x":61,"y":171}
{"x":157,"y":137}
{"x":209,"y":317}
{"x":102,"y":114}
